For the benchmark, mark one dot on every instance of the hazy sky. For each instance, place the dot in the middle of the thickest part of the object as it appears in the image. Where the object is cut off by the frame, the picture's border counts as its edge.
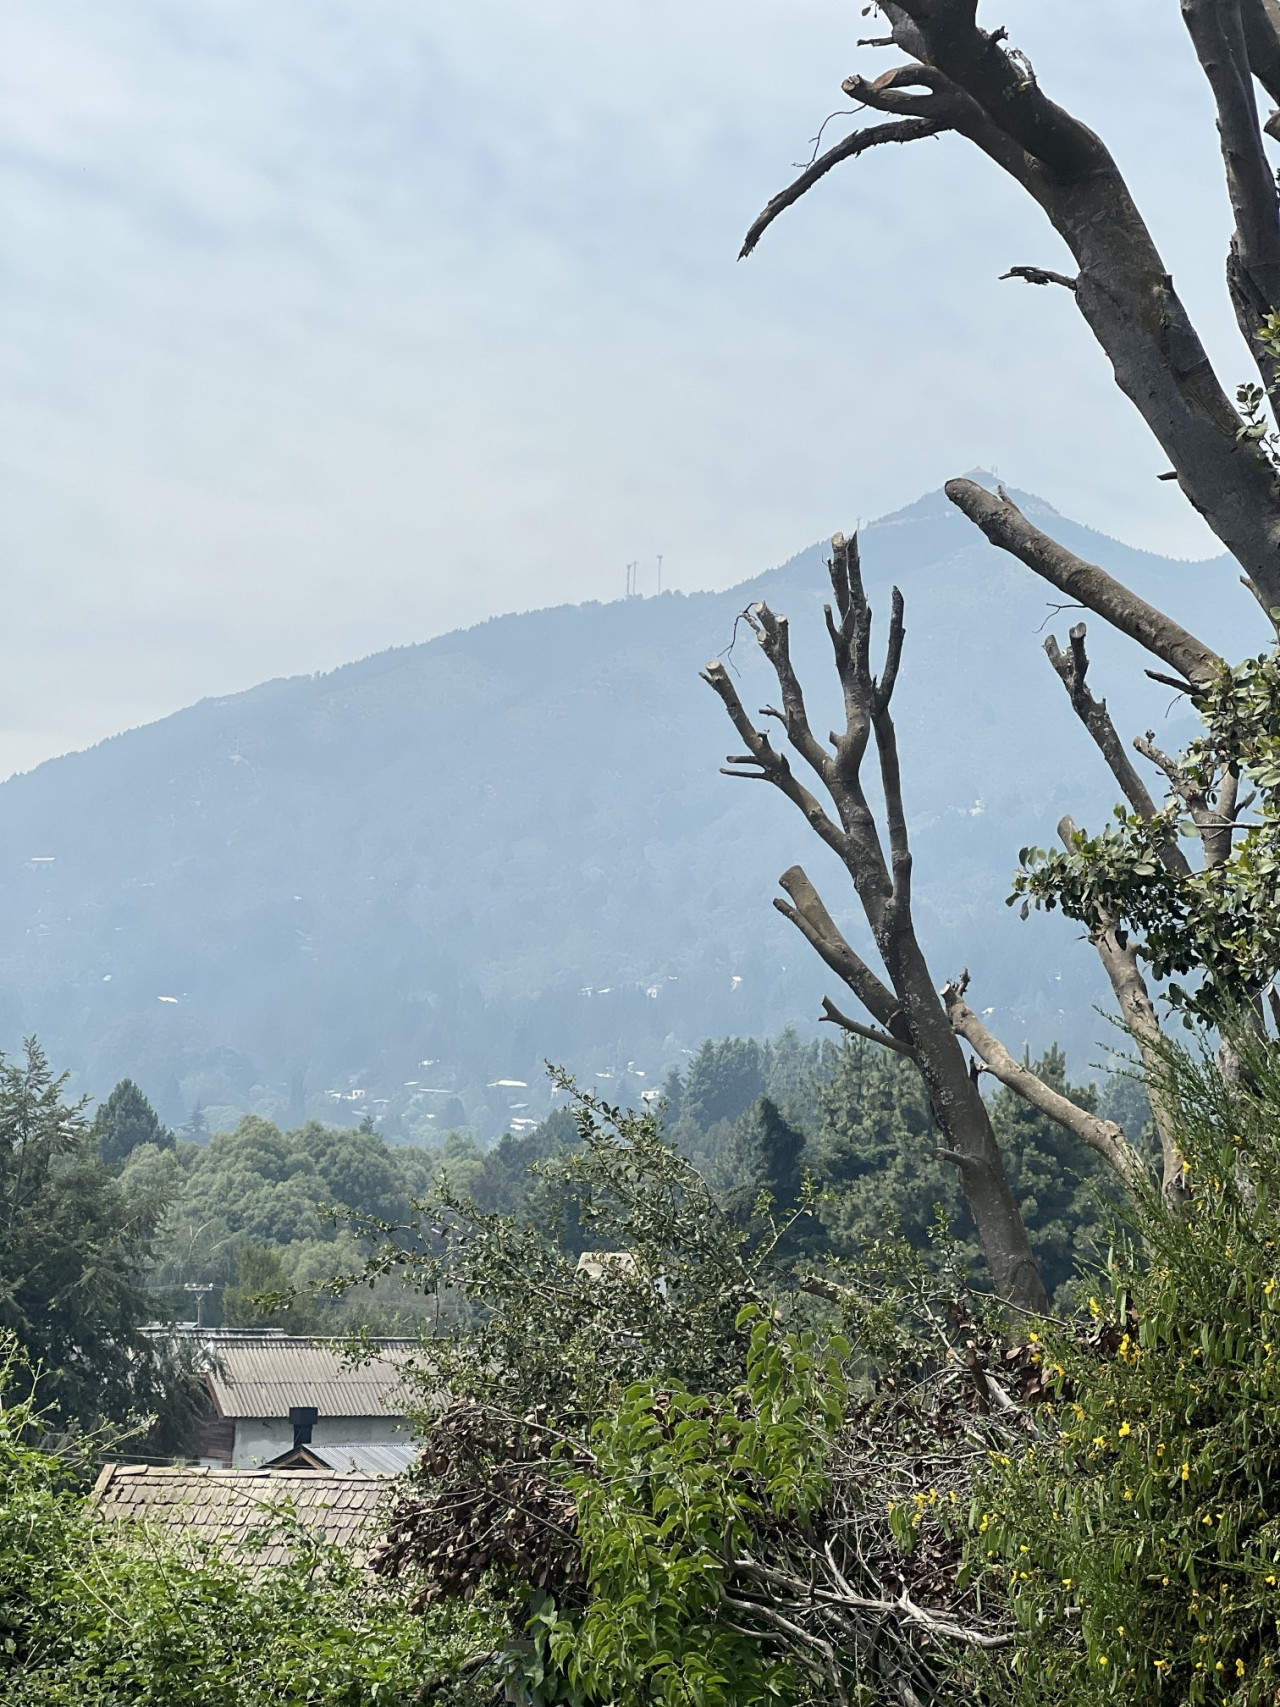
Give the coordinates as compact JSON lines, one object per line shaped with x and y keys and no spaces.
{"x":327,"y":325}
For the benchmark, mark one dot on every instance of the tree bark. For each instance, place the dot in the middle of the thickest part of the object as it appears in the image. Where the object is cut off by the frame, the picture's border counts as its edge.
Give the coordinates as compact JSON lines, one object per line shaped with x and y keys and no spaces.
{"x":905,"y":1000}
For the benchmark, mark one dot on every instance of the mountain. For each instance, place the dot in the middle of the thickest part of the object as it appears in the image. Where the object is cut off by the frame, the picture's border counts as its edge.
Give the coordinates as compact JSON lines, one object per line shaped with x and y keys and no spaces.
{"x":424,"y":873}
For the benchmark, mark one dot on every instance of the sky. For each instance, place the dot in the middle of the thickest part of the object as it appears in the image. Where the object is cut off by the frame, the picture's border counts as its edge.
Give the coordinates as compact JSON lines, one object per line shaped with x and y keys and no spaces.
{"x":331,"y":325}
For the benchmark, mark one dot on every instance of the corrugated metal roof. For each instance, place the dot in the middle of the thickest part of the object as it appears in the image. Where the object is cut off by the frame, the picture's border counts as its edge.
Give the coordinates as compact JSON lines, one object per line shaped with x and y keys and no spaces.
{"x":267,"y":1375}
{"x":227,"y":1506}
{"x":370,"y":1457}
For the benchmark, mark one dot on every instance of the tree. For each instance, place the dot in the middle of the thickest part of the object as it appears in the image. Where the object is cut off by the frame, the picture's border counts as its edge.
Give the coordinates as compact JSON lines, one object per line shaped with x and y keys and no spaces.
{"x":72,"y":1247}
{"x":910,"y":1016}
{"x":124,"y":1121}
{"x":260,"y":1272}
{"x":779,"y":1151}
{"x":1141,"y":896}
{"x":724,"y":1079}
{"x":1138,"y":1542}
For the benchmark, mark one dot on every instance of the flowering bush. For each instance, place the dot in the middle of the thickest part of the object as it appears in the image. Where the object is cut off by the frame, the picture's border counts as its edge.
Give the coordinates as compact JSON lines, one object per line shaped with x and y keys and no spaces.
{"x":1138,"y":1536}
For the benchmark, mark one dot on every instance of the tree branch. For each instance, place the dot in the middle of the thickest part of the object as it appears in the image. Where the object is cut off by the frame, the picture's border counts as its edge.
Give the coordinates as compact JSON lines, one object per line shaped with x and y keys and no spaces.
{"x":1072,"y":668}
{"x":1261,"y":20}
{"x":1118,"y":953}
{"x":831,"y":1015}
{"x":1102,"y":1136}
{"x":907,"y":130}
{"x":808,"y":913}
{"x":1040,"y":276}
{"x":1006,"y":527}
{"x":1124,"y":290}
{"x":1253,"y":266}
{"x":771,"y":765}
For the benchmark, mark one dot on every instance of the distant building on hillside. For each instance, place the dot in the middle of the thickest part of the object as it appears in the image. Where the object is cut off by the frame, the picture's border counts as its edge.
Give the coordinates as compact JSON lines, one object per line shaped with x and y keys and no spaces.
{"x":275,"y":1393}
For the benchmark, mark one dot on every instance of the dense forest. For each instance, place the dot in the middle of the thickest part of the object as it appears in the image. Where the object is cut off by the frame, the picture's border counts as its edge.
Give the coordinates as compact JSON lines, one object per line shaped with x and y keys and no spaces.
{"x":254,"y":1210}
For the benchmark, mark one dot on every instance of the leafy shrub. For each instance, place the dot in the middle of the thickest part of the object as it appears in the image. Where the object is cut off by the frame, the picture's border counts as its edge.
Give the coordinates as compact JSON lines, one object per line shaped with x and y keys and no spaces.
{"x":98,"y":1615}
{"x":1138,"y":1536}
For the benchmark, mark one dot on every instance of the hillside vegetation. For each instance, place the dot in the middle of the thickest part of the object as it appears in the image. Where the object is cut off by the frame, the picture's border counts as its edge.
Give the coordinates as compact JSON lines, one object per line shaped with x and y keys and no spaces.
{"x":431,"y":870}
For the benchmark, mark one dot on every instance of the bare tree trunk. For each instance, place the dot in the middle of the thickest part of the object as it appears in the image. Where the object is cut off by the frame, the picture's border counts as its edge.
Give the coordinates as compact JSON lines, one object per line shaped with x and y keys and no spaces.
{"x":904,"y":1001}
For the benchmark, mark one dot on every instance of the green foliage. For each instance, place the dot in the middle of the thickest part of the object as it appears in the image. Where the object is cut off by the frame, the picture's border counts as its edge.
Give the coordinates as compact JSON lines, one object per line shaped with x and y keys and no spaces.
{"x":93,"y":1615}
{"x":874,"y":1155}
{"x":1218,"y":926}
{"x":261,"y":1274}
{"x":125,"y":1121}
{"x":1066,"y":1192}
{"x":671,"y":1475}
{"x":73,"y":1242}
{"x":723,"y":1080}
{"x":519,"y":1318}
{"x":1138,"y":1537}
{"x":259,"y":1189}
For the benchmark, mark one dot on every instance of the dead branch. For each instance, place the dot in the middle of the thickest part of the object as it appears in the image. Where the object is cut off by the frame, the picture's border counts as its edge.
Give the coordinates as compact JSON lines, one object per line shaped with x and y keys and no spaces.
{"x":831,"y":1015}
{"x":807,"y":911}
{"x":1006,"y":527}
{"x":1118,"y":953}
{"x":904,"y":1001}
{"x":1072,"y":669}
{"x":1261,"y":20}
{"x":910,"y":130}
{"x":1102,"y":1136}
{"x":1039,"y":276}
{"x":964,"y":78}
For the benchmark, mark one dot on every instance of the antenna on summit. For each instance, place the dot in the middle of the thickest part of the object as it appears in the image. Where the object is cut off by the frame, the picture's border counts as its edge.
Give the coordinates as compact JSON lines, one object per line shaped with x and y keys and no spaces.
{"x":633,"y":579}
{"x":659,"y":572}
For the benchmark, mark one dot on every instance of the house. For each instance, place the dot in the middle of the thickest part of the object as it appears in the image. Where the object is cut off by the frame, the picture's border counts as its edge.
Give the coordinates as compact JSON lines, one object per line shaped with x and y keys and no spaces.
{"x":273,"y":1393}
{"x":373,"y":1458}
{"x":231,"y":1507}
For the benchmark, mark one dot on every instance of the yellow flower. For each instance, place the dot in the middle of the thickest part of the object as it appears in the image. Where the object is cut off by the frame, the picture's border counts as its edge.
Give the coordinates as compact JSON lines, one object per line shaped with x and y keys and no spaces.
{"x":1270,"y":1287}
{"x":1271,"y":1580}
{"x":1160,"y":1450}
{"x":1125,"y":1431}
{"x":1066,"y":1582}
{"x":1100,"y":1440}
{"x":1103,"y":1660}
{"x":1128,"y":1493}
{"x":1239,"y":1668}
{"x":1095,"y":1310}
{"x":1186,"y":1471}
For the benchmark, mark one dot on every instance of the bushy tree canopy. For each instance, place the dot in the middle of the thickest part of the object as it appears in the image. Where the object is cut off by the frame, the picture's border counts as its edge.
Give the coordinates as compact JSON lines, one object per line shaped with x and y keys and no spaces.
{"x":126,"y":1120}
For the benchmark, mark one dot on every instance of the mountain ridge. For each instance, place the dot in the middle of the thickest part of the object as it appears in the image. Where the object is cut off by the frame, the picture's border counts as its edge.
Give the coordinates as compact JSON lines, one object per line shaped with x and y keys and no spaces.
{"x":291,"y":898}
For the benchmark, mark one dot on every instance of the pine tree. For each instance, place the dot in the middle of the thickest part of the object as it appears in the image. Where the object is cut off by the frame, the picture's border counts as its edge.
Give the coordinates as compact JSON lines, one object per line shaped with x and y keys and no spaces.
{"x":124,"y":1121}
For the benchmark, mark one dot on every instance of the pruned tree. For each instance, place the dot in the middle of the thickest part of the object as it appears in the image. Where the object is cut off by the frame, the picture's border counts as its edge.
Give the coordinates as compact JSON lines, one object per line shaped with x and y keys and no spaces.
{"x":1149,"y":902}
{"x":910,"y":1015}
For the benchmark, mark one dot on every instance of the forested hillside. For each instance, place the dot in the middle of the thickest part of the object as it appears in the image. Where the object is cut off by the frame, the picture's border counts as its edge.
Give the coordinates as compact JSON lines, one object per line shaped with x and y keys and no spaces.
{"x":407,"y":881}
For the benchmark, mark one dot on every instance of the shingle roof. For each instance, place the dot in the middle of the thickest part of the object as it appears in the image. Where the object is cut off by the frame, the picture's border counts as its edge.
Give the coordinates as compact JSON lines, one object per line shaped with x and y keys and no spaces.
{"x":227,"y":1506}
{"x":266,"y":1375}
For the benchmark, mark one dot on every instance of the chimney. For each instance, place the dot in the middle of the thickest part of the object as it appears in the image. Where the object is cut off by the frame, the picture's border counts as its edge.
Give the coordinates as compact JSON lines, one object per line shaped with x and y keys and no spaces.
{"x":303,"y":1418}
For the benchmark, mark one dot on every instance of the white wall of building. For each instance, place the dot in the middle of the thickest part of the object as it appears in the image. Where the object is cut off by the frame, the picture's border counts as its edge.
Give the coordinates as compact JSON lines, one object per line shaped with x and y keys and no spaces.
{"x":258,"y":1440}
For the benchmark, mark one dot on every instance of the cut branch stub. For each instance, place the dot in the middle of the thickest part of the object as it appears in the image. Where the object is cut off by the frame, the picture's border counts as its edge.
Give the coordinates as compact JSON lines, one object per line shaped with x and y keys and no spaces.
{"x":1006,"y":527}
